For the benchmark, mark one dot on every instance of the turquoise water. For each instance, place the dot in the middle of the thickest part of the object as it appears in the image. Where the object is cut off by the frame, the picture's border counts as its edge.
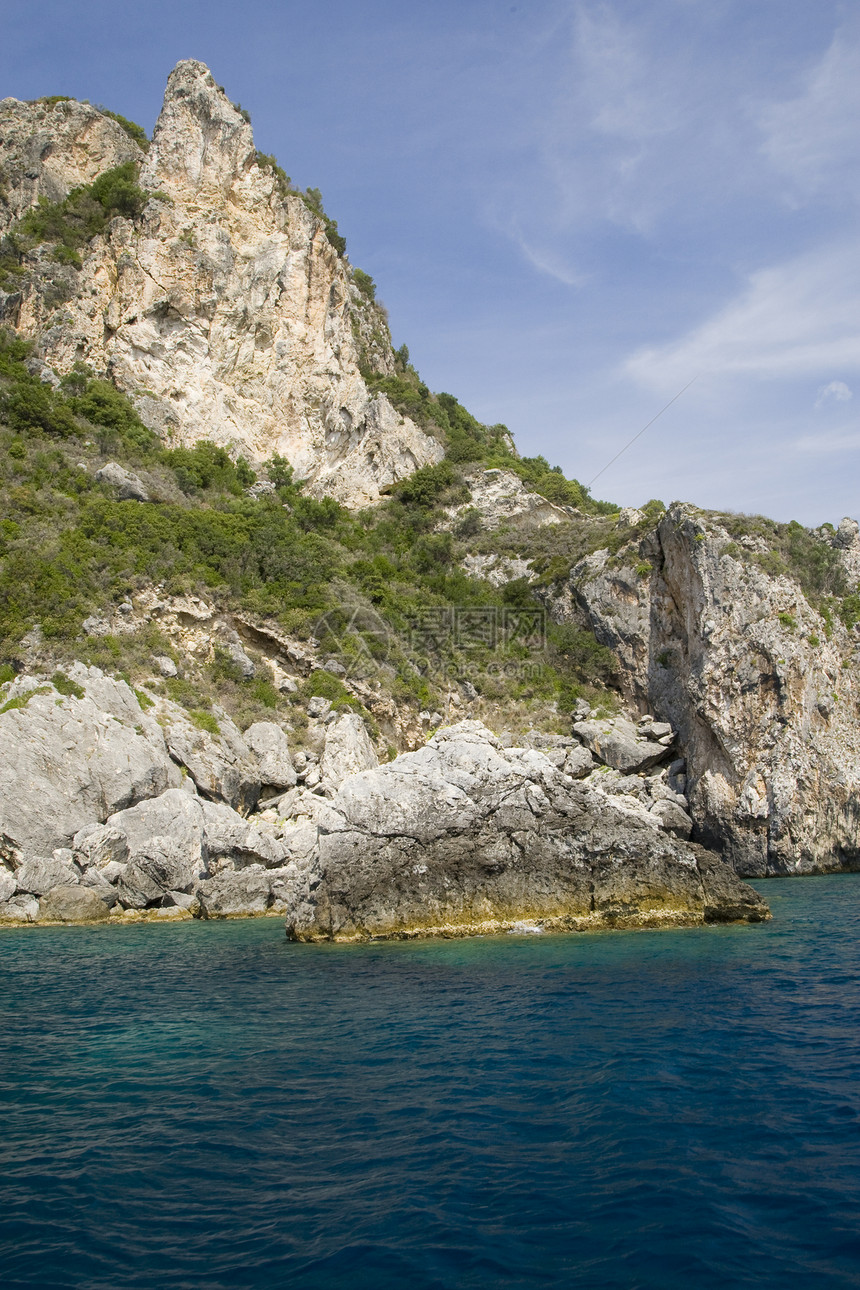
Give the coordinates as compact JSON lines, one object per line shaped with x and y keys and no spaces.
{"x":207,"y":1105}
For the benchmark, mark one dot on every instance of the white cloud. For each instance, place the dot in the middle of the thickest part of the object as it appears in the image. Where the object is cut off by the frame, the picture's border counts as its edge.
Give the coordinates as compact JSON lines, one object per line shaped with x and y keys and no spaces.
{"x":813,"y":138}
{"x":797,"y":318}
{"x":833,"y":392}
{"x":546,"y":259}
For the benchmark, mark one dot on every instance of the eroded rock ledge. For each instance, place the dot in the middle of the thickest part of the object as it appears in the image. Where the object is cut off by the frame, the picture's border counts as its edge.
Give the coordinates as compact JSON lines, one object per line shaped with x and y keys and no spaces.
{"x":464,"y":837}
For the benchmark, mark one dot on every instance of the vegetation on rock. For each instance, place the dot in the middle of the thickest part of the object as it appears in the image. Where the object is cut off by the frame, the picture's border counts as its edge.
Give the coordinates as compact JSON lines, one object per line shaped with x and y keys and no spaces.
{"x":70,"y":224}
{"x":69,"y":549}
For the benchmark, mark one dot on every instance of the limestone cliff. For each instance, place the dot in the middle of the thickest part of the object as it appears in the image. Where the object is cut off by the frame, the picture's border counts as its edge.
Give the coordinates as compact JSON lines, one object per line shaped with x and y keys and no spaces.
{"x":51,"y":146}
{"x":761,"y":686}
{"x":224,"y":311}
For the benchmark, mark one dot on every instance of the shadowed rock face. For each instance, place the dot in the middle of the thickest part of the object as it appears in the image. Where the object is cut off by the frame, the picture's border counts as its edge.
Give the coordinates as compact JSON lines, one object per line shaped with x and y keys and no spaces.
{"x":224,"y":312}
{"x":762,"y":692}
{"x":466,"y":837}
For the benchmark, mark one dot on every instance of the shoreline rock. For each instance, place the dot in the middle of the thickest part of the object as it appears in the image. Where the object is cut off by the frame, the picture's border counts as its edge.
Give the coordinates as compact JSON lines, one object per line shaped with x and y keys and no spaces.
{"x":465,"y":837}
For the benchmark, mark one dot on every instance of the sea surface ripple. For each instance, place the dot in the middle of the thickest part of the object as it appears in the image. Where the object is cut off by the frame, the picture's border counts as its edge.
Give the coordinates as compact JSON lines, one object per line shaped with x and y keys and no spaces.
{"x":208,"y":1105}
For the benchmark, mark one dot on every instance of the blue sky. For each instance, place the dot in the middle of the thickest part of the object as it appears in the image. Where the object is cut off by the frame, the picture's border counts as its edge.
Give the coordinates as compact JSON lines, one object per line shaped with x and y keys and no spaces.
{"x":571,"y":208}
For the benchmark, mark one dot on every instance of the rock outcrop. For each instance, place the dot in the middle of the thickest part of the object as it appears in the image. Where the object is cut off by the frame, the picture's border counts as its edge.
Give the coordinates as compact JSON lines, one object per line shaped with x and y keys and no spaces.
{"x":225,"y":311}
{"x":760,"y":686}
{"x":49,"y":147}
{"x":66,"y":761}
{"x":465,"y":837}
{"x":501,"y":497}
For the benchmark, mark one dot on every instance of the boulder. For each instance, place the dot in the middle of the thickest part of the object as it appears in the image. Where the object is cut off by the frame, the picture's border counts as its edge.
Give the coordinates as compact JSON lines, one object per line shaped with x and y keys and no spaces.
{"x":99,"y":845}
{"x":38,"y":876}
{"x":167,"y":862}
{"x":137,"y":888}
{"x":268,"y":742}
{"x":66,"y":762}
{"x":672,"y":818}
{"x":464,"y":836}
{"x":75,"y":904}
{"x":174,"y":816}
{"x":348,"y":750}
{"x":231,"y":838}
{"x":101,"y":885}
{"x":8,"y":885}
{"x":221,"y":765}
{"x":617,"y":743}
{"x":242,"y":660}
{"x":128,"y":485}
{"x":578,"y":762}
{"x":233,"y":894}
{"x":20,"y":909}
{"x":172,"y":841}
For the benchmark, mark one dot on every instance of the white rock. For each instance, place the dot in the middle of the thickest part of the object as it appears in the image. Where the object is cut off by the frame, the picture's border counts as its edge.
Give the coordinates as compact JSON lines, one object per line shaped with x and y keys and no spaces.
{"x":39,"y":875}
{"x":128,"y":485}
{"x":99,"y":845}
{"x":226,"y":312}
{"x":8,"y":885}
{"x":66,"y":762}
{"x":348,"y":750}
{"x":268,"y":743}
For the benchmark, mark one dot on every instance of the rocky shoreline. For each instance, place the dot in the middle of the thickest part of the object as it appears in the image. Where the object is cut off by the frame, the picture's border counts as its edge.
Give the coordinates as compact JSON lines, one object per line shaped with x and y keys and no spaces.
{"x":111,"y":813}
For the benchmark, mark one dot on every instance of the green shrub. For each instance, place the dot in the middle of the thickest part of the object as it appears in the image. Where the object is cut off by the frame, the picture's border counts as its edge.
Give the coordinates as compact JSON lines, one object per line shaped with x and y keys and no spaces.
{"x":849,"y":610}
{"x":284,"y":184}
{"x":428,"y":485}
{"x":23,"y":699}
{"x":185,"y":693}
{"x":325,"y":685}
{"x":577,"y":652}
{"x":365,"y":283}
{"x":86,"y":211}
{"x":204,"y":720}
{"x":312,"y":198}
{"x":65,"y":685}
{"x":207,"y":465}
{"x":263,"y":692}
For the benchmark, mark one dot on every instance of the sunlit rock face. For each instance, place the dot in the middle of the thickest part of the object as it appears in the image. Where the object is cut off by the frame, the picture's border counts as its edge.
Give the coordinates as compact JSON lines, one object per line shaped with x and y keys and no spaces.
{"x":761,"y":688}
{"x":48,"y":148}
{"x":225,"y":312}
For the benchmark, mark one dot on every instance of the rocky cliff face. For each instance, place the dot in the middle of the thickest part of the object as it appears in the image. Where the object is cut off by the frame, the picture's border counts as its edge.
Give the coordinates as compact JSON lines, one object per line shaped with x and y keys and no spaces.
{"x":49,"y":147}
{"x":761,"y":687}
{"x":225,"y":312}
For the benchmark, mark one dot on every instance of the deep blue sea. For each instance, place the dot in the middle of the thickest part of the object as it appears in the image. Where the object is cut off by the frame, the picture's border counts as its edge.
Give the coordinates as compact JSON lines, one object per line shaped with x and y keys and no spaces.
{"x":207,"y":1105}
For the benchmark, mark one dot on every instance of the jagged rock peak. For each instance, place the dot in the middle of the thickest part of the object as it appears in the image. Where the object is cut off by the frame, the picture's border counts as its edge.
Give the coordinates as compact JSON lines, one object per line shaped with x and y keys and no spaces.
{"x":202,"y":143}
{"x":224,"y":311}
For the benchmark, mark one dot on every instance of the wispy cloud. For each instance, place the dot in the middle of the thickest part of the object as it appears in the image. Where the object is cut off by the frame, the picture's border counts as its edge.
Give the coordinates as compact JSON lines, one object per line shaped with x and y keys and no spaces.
{"x":797,"y":318}
{"x":833,"y":392}
{"x":812,"y":137}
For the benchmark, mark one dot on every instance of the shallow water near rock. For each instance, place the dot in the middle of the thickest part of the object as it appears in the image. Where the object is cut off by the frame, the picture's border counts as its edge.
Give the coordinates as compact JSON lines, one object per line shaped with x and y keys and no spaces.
{"x":209,"y":1105}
